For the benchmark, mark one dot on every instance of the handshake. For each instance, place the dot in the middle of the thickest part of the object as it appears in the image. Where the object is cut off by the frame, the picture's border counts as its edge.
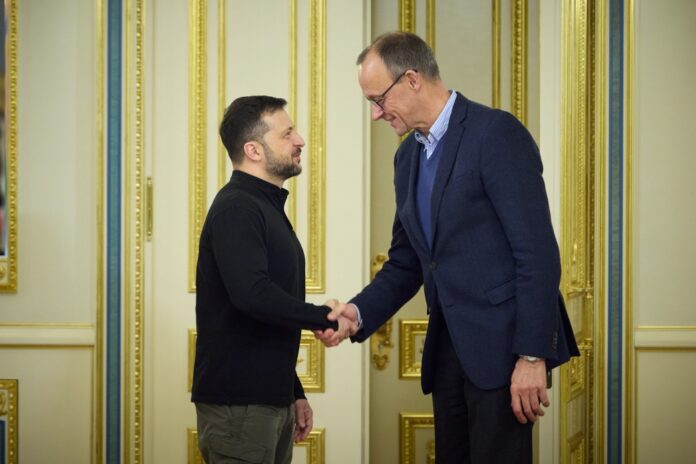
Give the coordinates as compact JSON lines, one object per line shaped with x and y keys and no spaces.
{"x":346,"y":314}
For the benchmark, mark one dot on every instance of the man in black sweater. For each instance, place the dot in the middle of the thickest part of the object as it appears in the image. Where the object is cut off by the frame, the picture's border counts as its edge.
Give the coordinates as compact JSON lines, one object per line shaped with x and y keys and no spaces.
{"x":250,"y":290}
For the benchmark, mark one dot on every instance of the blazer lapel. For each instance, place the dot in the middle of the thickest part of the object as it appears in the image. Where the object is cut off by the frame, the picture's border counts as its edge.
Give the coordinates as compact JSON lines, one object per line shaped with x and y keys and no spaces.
{"x":451,"y":141}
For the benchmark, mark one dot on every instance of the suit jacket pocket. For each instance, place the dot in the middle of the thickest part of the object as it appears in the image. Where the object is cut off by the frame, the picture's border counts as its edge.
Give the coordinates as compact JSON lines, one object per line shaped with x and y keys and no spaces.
{"x":501,"y":293}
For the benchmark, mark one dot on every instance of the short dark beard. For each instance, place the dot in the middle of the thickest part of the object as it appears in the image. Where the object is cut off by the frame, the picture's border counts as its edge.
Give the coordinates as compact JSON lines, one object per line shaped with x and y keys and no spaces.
{"x":276,"y":168}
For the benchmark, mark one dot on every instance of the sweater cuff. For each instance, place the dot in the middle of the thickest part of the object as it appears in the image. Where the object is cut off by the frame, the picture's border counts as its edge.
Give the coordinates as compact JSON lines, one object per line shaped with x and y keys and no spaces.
{"x":299,"y":391}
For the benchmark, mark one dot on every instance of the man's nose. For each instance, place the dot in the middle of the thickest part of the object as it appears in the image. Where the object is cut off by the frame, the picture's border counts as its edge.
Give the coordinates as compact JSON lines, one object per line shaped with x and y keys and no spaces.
{"x":299,"y":141}
{"x":376,"y":111}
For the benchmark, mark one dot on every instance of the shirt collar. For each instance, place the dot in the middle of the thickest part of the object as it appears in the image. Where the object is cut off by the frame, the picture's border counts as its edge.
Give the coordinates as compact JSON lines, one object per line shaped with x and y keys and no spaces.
{"x":438,"y":128}
{"x":276,"y":194}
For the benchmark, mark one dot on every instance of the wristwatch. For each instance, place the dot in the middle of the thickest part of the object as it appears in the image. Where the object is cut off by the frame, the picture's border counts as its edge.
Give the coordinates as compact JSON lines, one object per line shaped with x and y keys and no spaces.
{"x":531,"y":359}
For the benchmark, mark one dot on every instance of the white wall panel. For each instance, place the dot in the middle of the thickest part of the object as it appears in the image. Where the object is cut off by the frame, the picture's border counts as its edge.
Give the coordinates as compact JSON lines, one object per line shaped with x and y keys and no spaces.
{"x":665,"y":381}
{"x":56,"y":164}
{"x":54,"y":402}
{"x":664,"y":118}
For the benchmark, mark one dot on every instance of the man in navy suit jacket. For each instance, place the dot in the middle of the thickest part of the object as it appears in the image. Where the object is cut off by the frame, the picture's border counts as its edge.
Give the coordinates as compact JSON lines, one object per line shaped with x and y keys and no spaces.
{"x":473,"y":226}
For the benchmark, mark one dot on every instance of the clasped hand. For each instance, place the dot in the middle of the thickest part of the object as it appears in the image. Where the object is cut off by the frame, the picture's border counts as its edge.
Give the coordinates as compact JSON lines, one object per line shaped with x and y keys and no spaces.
{"x":347,"y":317}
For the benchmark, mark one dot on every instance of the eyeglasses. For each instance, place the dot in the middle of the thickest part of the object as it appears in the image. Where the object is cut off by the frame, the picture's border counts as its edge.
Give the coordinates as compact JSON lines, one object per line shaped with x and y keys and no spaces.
{"x":378,"y":100}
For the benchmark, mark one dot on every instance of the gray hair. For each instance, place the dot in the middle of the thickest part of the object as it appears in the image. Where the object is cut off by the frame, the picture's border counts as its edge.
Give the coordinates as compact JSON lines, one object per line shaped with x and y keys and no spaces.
{"x":402,"y":51}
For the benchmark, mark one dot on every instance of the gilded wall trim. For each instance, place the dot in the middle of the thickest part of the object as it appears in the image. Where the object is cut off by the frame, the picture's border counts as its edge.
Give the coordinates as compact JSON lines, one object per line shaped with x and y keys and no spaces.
{"x":292,"y":106}
{"x":314,"y":443}
{"x":407,"y":15}
{"x":407,"y":434}
{"x":99,"y":351}
{"x":410,"y":352}
{"x":629,"y":347}
{"x":600,"y":243}
{"x":99,"y":372}
{"x":222,"y":88}
{"x":580,"y":375}
{"x":519,"y":59}
{"x":8,"y":262}
{"x":134,"y":231}
{"x":311,"y":358}
{"x":495,"y":97}
{"x":198,"y":91}
{"x":430,"y":23}
{"x":9,"y":412}
{"x":194,"y":454}
{"x":317,"y":145}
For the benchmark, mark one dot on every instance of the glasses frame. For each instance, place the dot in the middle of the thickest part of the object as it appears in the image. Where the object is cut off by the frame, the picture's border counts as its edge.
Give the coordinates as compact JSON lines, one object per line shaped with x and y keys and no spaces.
{"x":379,"y":99}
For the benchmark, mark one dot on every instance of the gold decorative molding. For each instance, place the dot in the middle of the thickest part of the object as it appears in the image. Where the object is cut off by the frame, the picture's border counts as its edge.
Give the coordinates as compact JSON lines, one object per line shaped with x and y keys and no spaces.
{"x":311,"y":356}
{"x":292,"y":106}
{"x":407,"y":434}
{"x":430,"y":23}
{"x":496,"y":19}
{"x":222,"y":88}
{"x":519,"y":59}
{"x":194,"y":454}
{"x":191,"y":356}
{"x":8,"y":261}
{"x":9,"y":412}
{"x":317,"y":144}
{"x":380,"y":341}
{"x":98,"y":399}
{"x":630,"y":422}
{"x":407,"y":15}
{"x":579,"y":378}
{"x":198,"y":91}
{"x":410,"y":352}
{"x":315,"y":446}
{"x":601,"y":203}
{"x":430,"y":449}
{"x":134,"y":235}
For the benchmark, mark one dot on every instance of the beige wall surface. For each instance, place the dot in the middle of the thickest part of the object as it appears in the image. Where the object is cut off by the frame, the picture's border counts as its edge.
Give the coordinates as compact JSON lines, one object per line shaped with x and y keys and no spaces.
{"x":666,"y":405}
{"x":664,"y":226}
{"x":54,"y":402}
{"x":57,"y":186}
{"x":47,"y":327}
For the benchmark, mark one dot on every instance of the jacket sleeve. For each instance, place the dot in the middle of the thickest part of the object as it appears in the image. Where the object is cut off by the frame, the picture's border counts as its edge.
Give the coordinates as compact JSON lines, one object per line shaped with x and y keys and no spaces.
{"x":511,"y":171}
{"x":398,"y":281}
{"x":299,"y":389}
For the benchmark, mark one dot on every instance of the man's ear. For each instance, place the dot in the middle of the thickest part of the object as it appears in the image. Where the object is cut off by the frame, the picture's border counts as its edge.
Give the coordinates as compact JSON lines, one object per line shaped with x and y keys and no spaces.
{"x":413,"y":79}
{"x":253,"y":151}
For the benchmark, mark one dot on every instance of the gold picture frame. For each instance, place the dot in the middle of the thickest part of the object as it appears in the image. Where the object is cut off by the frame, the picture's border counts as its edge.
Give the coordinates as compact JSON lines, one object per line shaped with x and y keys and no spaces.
{"x":315,"y":447}
{"x":8,"y":156}
{"x":194,"y":454}
{"x":410,"y":422}
{"x":311,"y":359}
{"x":411,"y":339}
{"x":8,"y":419}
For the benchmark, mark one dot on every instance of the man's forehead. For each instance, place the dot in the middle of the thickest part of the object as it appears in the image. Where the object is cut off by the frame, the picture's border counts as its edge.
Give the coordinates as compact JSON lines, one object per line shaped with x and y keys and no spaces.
{"x":373,"y":73}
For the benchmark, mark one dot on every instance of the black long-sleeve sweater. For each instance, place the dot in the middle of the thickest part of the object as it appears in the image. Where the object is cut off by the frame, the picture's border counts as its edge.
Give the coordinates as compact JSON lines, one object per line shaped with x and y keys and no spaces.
{"x":250,"y":290}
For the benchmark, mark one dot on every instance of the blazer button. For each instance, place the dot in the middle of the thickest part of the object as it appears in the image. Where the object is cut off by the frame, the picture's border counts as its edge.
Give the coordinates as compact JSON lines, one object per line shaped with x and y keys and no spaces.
{"x":433,"y":265}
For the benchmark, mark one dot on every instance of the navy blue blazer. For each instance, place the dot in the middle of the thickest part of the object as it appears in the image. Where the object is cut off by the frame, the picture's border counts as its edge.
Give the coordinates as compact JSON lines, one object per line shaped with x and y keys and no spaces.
{"x":493,"y":271}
